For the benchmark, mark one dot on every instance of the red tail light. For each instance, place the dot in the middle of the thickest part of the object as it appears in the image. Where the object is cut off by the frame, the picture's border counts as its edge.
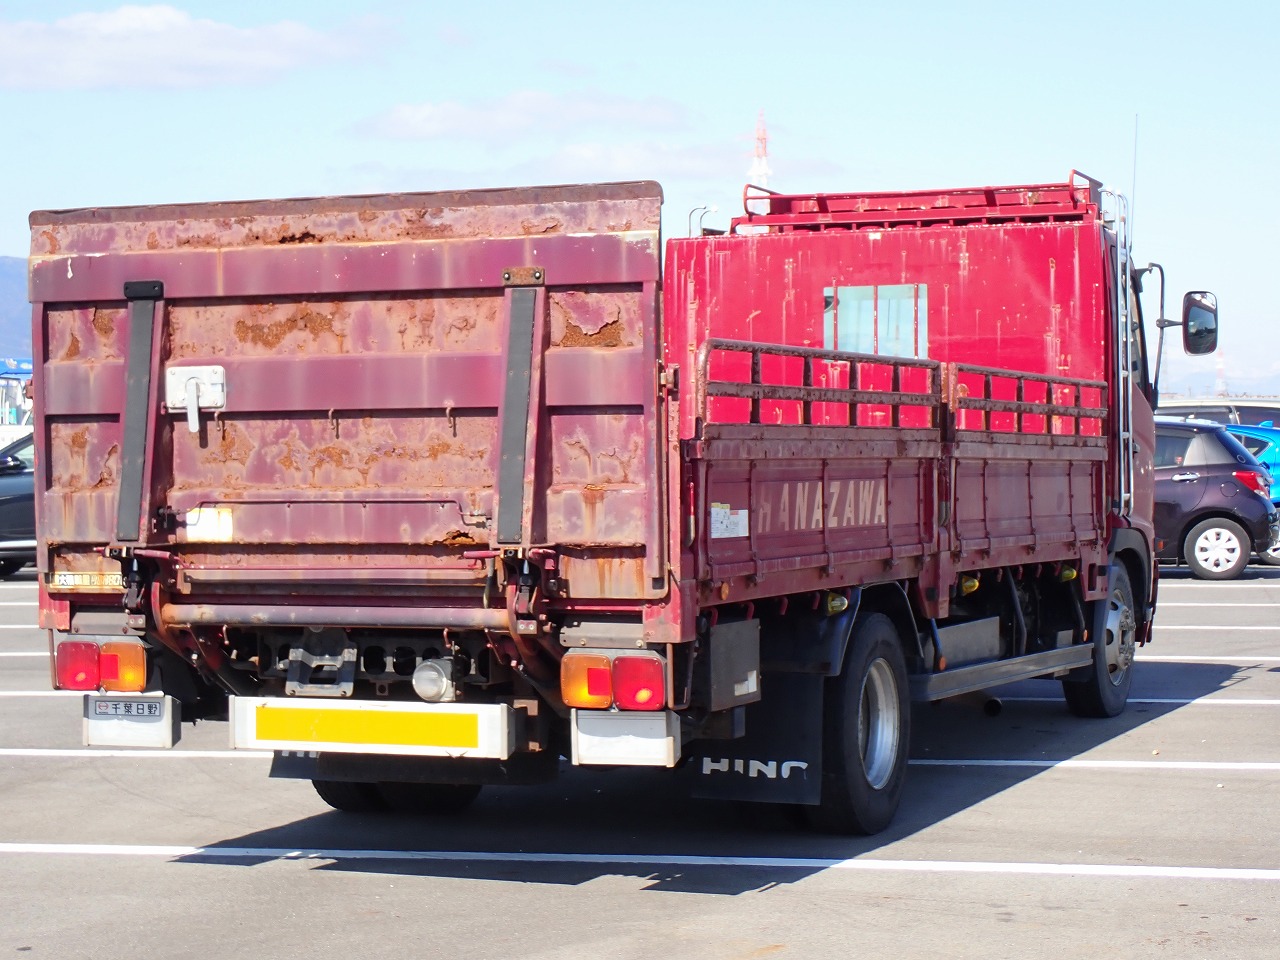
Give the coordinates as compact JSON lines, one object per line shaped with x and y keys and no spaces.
{"x":1254,"y":481}
{"x":77,"y":663}
{"x":639,"y":683}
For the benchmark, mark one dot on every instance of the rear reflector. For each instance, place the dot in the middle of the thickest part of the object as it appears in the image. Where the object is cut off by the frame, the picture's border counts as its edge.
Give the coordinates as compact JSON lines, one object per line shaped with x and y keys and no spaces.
{"x":585,"y":681}
{"x":639,"y":683}
{"x":117,"y":666}
{"x":123,"y":666}
{"x":77,"y":666}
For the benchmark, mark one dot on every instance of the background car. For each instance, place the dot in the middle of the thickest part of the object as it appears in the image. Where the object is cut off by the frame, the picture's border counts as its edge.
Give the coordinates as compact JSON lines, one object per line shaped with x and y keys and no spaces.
{"x":1213,"y":506}
{"x":17,"y":506}
{"x":1243,"y":410}
{"x":1264,"y":443}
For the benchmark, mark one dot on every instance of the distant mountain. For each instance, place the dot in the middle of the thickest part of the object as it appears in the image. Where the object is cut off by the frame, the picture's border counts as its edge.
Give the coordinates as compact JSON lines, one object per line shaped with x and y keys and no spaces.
{"x":15,"y":312}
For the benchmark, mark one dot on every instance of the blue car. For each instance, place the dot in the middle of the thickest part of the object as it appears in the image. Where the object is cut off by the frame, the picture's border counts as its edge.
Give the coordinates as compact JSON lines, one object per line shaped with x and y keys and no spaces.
{"x":1263,"y":441}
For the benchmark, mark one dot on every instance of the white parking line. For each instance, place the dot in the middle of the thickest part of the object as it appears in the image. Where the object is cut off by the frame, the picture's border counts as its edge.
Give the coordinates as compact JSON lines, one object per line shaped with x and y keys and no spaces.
{"x":1127,"y":871}
{"x":1214,"y":765}
{"x":1165,"y":627}
{"x":1198,"y":701}
{"x":1230,"y":658}
{"x":26,"y":653}
{"x":50,"y":753}
{"x":1219,"y":767}
{"x":1173,"y":603}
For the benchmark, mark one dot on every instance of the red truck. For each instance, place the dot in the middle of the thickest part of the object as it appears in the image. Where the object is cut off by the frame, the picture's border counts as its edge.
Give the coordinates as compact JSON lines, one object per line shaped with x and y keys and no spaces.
{"x":428,"y":491}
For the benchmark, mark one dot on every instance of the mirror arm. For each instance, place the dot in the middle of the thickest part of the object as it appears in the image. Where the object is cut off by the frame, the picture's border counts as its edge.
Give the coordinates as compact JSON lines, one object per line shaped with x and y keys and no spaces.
{"x":1161,"y":324}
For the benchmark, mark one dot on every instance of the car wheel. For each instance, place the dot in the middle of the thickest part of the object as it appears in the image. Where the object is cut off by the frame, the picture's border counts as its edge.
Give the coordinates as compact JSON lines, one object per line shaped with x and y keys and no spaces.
{"x":1216,"y":549}
{"x":9,"y":567}
{"x":1271,"y":556}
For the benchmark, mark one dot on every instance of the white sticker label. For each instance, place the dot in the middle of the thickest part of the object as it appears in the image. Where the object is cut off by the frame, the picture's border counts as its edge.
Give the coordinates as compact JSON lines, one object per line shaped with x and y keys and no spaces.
{"x":209,"y":525}
{"x":727,"y":523}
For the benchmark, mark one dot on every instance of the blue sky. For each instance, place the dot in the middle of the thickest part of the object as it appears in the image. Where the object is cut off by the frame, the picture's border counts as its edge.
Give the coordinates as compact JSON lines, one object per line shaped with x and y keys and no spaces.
{"x":120,"y":104}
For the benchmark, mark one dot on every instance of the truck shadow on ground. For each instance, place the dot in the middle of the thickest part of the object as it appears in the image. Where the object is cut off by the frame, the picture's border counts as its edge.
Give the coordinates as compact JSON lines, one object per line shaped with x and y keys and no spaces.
{"x":643,"y":824}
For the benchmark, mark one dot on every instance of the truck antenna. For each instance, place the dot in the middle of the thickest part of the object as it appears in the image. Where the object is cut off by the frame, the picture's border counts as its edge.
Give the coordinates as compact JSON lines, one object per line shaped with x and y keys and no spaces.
{"x":1133,"y":184}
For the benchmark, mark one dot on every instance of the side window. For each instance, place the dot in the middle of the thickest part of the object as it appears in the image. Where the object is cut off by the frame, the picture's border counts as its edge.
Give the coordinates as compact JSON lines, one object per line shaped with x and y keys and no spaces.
{"x":1171,"y":449}
{"x":1253,"y":444}
{"x":890,"y":320}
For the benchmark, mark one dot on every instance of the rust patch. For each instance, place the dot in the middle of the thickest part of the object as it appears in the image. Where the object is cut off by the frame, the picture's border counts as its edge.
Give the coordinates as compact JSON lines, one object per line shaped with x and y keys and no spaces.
{"x":233,"y":447}
{"x":153,"y":241}
{"x":79,"y":441}
{"x":306,"y":236}
{"x":107,"y":476}
{"x":104,"y":323}
{"x":593,"y":495}
{"x":333,"y":455}
{"x":541,"y":226}
{"x":459,"y":538}
{"x":609,"y":335}
{"x":270,"y":335}
{"x":73,"y":348}
{"x":51,"y":240}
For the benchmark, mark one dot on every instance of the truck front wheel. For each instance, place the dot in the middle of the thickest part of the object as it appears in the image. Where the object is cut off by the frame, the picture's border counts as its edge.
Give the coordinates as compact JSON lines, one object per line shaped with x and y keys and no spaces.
{"x":866,"y":727}
{"x":1105,"y":690}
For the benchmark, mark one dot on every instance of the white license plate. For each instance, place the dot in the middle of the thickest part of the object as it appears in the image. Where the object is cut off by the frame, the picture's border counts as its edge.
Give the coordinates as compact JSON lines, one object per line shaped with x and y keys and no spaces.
{"x":112,"y":720}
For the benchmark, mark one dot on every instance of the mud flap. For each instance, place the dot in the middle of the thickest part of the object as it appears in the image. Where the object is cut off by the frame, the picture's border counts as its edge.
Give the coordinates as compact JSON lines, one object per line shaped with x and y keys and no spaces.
{"x":780,"y":758}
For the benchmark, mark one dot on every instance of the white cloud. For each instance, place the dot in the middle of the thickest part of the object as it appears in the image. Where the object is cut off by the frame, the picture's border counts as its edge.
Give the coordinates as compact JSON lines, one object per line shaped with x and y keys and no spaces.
{"x":525,"y":112}
{"x":155,"y":46}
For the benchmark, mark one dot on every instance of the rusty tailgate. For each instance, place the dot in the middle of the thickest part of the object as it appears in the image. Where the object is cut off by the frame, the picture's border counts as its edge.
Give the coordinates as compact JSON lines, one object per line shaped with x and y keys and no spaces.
{"x":406,"y":383}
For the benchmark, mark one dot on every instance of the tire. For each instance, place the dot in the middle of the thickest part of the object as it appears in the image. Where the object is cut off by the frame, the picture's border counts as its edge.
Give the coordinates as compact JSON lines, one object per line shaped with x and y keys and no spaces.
{"x":429,"y":798}
{"x":867,"y":726}
{"x":11,"y":566}
{"x":350,"y":796}
{"x":1216,"y":549}
{"x":1105,"y":692}
{"x":1271,"y":556}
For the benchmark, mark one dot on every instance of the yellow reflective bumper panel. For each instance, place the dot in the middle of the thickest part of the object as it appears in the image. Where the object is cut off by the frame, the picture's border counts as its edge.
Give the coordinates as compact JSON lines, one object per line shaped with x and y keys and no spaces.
{"x":407,"y":729}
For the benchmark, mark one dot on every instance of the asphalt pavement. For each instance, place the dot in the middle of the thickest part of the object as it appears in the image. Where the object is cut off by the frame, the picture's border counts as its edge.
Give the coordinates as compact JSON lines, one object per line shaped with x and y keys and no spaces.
{"x":1029,"y":833}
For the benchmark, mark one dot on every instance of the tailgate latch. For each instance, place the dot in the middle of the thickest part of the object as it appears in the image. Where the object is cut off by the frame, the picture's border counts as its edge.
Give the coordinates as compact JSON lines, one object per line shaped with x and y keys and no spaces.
{"x":194,"y":389}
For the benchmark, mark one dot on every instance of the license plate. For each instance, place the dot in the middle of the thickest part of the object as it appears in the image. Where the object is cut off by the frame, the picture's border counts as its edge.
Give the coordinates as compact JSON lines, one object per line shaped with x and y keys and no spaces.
{"x":399,"y":728}
{"x":112,"y":720}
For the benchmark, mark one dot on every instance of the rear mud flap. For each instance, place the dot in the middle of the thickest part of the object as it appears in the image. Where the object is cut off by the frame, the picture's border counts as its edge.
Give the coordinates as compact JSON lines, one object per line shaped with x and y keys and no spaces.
{"x":780,"y":758}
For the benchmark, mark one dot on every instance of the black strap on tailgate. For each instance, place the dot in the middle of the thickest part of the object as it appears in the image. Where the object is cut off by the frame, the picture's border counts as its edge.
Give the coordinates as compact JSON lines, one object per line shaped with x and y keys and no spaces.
{"x":143,"y":297}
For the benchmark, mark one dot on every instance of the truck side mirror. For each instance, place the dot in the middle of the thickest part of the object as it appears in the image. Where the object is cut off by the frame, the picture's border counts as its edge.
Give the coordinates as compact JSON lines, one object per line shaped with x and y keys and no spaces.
{"x":1199,"y":322}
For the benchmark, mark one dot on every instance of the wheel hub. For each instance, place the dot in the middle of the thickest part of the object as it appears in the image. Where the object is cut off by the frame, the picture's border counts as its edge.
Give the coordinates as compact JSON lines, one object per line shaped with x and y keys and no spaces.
{"x":1217,"y":549}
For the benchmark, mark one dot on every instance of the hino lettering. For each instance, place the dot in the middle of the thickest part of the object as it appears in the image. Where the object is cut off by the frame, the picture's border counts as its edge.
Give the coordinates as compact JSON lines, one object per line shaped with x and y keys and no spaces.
{"x":770,"y":769}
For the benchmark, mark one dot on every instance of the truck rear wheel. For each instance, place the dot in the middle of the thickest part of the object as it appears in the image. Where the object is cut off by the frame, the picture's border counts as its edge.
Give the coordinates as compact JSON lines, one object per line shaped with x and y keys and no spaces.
{"x":350,"y":796}
{"x":1105,"y":692}
{"x":434,"y":798}
{"x":866,"y":731}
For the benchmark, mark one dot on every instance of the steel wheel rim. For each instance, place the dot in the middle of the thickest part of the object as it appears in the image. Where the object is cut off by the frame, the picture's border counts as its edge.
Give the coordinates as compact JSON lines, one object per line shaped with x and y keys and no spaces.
{"x":1122,"y":637}
{"x":878,"y":723}
{"x":1217,"y":549}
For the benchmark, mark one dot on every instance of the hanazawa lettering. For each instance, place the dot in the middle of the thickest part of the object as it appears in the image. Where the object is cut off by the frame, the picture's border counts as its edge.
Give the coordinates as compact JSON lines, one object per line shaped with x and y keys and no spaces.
{"x":799,"y":505}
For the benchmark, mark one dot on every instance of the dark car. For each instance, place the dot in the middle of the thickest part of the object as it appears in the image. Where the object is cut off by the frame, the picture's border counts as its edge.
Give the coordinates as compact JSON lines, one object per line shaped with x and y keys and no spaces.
{"x":1213,"y":507}
{"x":17,"y":506}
